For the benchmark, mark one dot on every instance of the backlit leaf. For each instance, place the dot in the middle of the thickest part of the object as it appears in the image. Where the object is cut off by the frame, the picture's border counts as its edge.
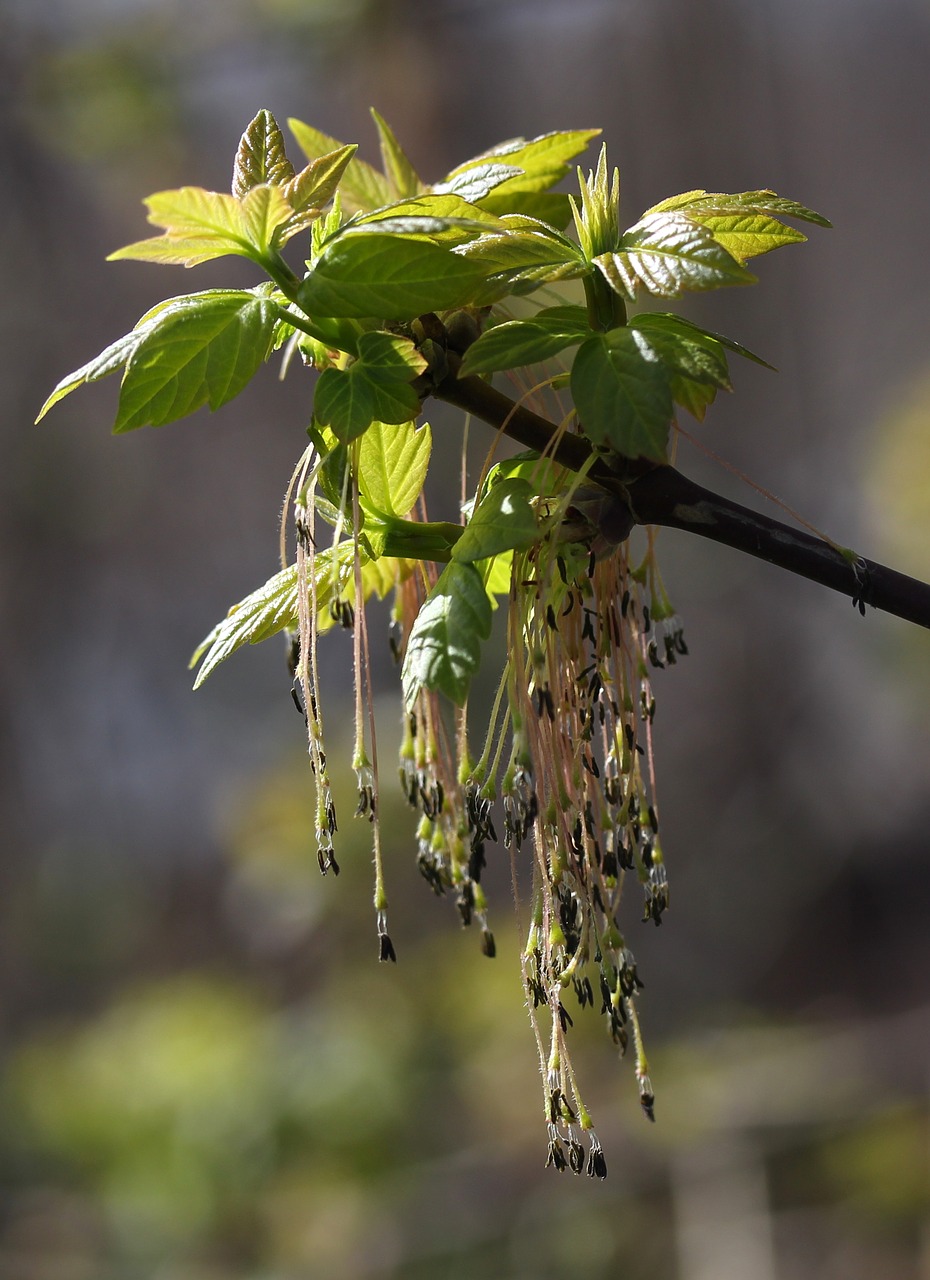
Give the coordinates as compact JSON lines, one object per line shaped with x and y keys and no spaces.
{"x":261,"y":157}
{"x":444,"y":645}
{"x":668,"y":254}
{"x":621,"y":393}
{"x":503,"y":520}
{"x":477,"y":182}
{"x":543,"y":161}
{"x":204,"y":352}
{"x":520,"y":342}
{"x":398,"y":169}
{"x":362,"y":187}
{"x":265,"y":209}
{"x":392,"y":466}
{"x":110,"y":359}
{"x":316,"y":183}
{"x":345,"y":402}
{"x":388,"y":277}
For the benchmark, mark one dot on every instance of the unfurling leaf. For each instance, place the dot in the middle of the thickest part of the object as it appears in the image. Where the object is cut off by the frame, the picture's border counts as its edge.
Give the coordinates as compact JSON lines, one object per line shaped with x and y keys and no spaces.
{"x":261,"y":157}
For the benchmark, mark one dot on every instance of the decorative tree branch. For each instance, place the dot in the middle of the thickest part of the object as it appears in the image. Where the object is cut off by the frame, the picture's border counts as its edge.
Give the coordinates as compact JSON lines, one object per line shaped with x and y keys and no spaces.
{"x":661,"y":495}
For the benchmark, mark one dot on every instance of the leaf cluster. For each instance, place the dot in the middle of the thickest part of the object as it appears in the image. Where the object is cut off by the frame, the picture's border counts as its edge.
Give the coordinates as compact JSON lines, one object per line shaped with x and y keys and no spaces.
{"x":384,"y":250}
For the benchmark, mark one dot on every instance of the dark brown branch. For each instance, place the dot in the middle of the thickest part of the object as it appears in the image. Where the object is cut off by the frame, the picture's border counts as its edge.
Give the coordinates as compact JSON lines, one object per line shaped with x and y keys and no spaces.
{"x":663,"y":496}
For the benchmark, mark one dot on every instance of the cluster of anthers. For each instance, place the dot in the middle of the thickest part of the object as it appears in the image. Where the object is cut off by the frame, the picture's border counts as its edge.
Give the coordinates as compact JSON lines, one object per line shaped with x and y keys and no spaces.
{"x":567,"y":765}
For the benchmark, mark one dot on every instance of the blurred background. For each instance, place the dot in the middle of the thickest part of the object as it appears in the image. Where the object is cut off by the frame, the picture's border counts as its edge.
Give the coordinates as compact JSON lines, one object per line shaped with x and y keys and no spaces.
{"x":204,"y":1073}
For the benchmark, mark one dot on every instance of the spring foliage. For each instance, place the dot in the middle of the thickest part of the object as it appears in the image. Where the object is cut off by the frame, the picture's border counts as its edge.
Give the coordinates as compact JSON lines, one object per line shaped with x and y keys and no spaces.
{"x":408,"y":285}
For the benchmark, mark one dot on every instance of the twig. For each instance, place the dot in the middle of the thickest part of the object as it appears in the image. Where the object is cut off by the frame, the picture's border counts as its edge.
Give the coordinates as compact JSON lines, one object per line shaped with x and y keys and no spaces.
{"x":663,"y":496}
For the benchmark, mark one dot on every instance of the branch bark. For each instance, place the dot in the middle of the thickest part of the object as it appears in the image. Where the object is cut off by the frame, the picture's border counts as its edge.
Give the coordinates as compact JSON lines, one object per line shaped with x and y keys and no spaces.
{"x":661,"y":495}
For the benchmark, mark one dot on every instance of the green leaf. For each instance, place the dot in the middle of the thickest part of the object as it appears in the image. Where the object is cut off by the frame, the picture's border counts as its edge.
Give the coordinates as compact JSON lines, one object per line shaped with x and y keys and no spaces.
{"x":544,"y":476}
{"x":477,"y":182}
{"x":261,"y":157}
{"x":497,"y":573}
{"x":746,"y":224}
{"x":345,"y":402}
{"x":398,"y":169}
{"x":520,"y":342}
{"x":362,"y":188}
{"x":444,"y":646}
{"x":522,"y":243}
{"x":667,"y":254}
{"x":386,"y":276}
{"x":315,"y":185}
{"x":686,"y":349}
{"x":503,"y":520}
{"x":543,"y":161}
{"x":444,"y":219}
{"x":696,"y":361}
{"x":736,"y":347}
{"x":198,"y":224}
{"x":110,"y":359}
{"x":203,"y":351}
{"x":266,"y":211}
{"x":622,"y":395}
{"x":553,"y":208}
{"x":392,"y":466}
{"x":264,"y":613}
{"x":375,"y":386}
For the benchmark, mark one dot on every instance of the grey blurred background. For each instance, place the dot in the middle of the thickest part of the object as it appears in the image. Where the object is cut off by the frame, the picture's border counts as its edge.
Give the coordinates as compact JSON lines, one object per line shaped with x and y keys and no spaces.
{"x":205,"y":1074}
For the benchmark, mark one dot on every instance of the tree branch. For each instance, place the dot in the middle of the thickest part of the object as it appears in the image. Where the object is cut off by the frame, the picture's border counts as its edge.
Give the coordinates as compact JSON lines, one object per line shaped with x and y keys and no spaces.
{"x":663,"y":496}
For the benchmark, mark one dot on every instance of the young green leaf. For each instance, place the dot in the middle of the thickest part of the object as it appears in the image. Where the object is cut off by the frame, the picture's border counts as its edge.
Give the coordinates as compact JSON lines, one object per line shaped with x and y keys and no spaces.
{"x":261,"y":158}
{"x":375,"y":386}
{"x":746,"y":224}
{"x":542,"y":161}
{"x":392,"y":466}
{"x":476,"y":182}
{"x":525,"y":250}
{"x":266,"y":212}
{"x":622,"y":395}
{"x":202,"y":352}
{"x":345,"y":401}
{"x":110,"y":359}
{"x":688,"y":350}
{"x":696,"y":361}
{"x":444,"y":219}
{"x":520,"y":342}
{"x":198,"y":225}
{"x":262,"y":614}
{"x":362,"y":188}
{"x":389,"y":277}
{"x":397,"y":168}
{"x":309,"y":191}
{"x":503,"y":520}
{"x":444,"y":645}
{"x":667,"y":254}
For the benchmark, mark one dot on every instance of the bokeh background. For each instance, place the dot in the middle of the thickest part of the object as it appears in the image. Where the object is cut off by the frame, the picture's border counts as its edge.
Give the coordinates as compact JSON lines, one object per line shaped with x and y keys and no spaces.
{"x":205,"y":1074}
